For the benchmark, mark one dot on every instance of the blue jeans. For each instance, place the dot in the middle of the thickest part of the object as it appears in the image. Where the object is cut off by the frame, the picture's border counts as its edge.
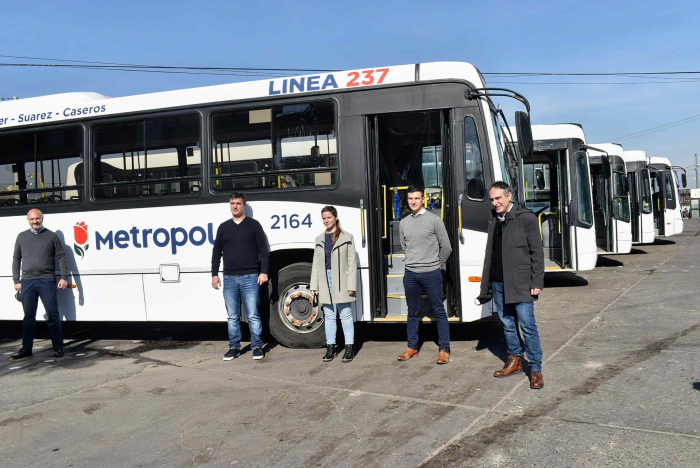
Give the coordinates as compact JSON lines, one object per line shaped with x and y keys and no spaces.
{"x":345,"y":312}
{"x":511,"y":315}
{"x":431,"y":283}
{"x":45,"y":289}
{"x":243,"y":288}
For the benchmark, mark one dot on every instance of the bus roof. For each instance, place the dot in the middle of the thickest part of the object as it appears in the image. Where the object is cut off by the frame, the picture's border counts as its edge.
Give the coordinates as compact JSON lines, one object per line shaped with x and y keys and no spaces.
{"x":660,"y":161}
{"x":613,"y":149}
{"x":636,"y":155}
{"x":558,"y":132}
{"x":74,"y":106}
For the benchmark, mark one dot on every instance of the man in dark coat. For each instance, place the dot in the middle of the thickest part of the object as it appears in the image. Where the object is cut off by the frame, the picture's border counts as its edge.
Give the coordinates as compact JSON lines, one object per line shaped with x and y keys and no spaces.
{"x":513,"y":277}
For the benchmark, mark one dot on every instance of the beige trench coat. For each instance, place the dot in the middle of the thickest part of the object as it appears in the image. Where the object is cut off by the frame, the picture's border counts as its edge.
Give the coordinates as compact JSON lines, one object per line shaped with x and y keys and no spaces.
{"x":343,"y":270}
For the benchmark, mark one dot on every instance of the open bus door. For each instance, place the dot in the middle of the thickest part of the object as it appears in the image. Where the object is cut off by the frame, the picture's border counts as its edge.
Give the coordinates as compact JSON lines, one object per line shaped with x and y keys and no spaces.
{"x":546,"y":193}
{"x":403,"y":149}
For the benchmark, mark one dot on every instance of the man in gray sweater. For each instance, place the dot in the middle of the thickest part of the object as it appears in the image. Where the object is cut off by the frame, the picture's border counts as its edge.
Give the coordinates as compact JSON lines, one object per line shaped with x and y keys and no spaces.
{"x":34,"y":255}
{"x":427,"y":247}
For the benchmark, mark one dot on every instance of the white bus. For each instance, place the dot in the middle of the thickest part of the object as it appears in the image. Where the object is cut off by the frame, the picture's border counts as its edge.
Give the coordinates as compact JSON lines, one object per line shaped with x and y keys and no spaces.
{"x":611,"y":203}
{"x":137,"y":186}
{"x":666,"y":200}
{"x":556,"y":184}
{"x":641,"y":211}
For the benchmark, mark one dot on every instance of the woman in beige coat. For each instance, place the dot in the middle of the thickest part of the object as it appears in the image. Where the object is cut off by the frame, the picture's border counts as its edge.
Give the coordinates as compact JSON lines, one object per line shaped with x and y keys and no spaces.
{"x":334,"y":279}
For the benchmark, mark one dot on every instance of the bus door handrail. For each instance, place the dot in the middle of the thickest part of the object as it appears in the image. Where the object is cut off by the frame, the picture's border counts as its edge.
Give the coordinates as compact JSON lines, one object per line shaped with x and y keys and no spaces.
{"x":459,"y":211}
{"x":362,"y":222}
{"x":384,"y":210}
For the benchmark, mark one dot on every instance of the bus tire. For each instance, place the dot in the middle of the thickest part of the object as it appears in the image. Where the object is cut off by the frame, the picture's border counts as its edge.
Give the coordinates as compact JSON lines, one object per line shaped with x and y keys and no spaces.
{"x":294,"y":322}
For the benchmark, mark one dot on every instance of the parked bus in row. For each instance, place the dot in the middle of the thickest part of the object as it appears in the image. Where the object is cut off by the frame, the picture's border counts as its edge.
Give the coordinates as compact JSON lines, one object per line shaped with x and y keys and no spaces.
{"x":611,"y":203}
{"x":668,"y":219}
{"x":641,"y":211}
{"x":137,"y":186}
{"x":556,"y":185}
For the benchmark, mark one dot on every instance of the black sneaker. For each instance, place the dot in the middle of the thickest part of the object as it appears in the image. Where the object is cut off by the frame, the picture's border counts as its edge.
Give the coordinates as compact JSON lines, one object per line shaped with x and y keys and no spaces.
{"x":349,"y":353}
{"x":21,"y":355}
{"x":258,"y":354}
{"x":232,"y":354}
{"x":331,"y":353}
{"x":58,"y":352}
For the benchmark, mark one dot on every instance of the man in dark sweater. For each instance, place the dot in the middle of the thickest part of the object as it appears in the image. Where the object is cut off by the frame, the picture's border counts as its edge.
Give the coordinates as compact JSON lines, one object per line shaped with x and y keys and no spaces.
{"x":513,"y":276}
{"x":242,"y":242}
{"x":34,"y":255}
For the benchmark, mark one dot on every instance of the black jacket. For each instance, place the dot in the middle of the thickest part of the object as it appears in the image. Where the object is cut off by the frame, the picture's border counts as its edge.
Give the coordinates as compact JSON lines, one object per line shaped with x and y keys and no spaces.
{"x":523,"y":256}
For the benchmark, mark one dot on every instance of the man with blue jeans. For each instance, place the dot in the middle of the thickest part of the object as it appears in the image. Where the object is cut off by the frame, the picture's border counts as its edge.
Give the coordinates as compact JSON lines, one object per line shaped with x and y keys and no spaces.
{"x":242,"y":243}
{"x":34,"y":256}
{"x":426,"y":247}
{"x":513,"y":276}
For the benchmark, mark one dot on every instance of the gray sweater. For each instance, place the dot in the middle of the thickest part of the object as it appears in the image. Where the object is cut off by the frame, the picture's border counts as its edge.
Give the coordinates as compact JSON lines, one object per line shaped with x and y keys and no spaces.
{"x":424,"y":241}
{"x":35,"y":253}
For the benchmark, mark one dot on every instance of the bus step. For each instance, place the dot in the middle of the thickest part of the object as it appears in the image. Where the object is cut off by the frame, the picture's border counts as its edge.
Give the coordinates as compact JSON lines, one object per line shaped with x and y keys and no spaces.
{"x":394,"y":264}
{"x":396,"y":305}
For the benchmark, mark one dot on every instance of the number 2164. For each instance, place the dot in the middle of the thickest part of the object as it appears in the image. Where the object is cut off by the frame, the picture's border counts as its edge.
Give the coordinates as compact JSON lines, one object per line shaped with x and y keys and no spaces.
{"x":282,"y":222}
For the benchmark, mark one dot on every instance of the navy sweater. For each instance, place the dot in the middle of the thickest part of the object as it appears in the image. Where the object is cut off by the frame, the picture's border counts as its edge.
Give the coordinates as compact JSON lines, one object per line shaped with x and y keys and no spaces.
{"x":243,"y":247}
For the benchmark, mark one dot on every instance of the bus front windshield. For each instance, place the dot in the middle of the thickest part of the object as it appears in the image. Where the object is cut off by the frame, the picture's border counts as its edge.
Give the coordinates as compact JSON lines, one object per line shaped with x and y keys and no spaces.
{"x":500,"y":144}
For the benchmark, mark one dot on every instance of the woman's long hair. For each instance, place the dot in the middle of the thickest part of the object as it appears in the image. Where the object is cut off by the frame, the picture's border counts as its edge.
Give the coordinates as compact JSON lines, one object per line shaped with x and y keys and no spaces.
{"x":331,"y":209}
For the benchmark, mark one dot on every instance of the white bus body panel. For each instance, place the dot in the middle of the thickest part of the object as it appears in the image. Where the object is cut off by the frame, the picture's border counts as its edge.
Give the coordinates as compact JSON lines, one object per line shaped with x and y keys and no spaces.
{"x":586,"y":248}
{"x":624,"y":236}
{"x":471,"y":263}
{"x":125,"y":283}
{"x":648,"y":232}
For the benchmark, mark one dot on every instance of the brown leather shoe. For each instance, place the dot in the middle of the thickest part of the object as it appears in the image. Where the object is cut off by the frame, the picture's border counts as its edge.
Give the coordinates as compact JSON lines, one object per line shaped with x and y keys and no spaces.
{"x":536,"y":380}
{"x":513,"y":366}
{"x":408,"y":354}
{"x":443,"y":357}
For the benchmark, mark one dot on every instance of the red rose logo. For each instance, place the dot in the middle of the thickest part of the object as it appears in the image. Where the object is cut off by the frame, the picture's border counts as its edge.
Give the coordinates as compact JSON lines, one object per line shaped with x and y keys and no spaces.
{"x":80,"y":234}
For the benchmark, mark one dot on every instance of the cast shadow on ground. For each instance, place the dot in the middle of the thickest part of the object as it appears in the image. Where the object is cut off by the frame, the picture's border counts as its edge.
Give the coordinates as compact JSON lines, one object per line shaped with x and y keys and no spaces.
{"x":637,"y":252}
{"x":564,"y":280}
{"x":696,"y":386}
{"x":607,"y":262}
{"x":663,"y":242}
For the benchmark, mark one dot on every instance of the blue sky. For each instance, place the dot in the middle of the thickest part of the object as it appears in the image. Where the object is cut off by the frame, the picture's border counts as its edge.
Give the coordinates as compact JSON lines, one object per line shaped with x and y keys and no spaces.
{"x":545,"y":36}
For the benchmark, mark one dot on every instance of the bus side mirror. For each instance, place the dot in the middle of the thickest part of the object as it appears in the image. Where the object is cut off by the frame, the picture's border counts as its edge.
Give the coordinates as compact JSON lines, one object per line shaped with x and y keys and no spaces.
{"x":524,"y":130}
{"x":684,"y":180}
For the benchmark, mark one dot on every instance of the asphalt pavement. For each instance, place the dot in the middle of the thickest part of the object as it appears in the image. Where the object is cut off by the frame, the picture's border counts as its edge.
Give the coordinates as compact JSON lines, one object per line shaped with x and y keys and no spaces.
{"x":622,"y":388}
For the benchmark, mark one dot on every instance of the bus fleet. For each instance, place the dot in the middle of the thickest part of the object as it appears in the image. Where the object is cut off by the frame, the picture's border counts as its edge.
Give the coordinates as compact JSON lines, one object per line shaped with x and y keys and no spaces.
{"x":135,"y":187}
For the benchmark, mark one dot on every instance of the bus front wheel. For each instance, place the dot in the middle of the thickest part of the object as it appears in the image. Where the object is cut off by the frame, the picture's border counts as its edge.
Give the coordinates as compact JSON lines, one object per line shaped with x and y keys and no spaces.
{"x":294,"y":320}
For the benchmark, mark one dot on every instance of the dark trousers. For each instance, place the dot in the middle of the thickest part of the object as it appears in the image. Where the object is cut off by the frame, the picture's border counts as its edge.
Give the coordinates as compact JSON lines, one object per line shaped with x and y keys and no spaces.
{"x":431,"y":283}
{"x":45,"y":289}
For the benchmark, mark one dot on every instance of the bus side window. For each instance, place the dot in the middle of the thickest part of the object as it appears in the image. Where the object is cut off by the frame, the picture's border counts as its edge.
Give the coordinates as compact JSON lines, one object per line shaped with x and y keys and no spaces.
{"x":146,"y":158}
{"x":279,"y":147}
{"x":476,"y":188}
{"x":41,"y":167}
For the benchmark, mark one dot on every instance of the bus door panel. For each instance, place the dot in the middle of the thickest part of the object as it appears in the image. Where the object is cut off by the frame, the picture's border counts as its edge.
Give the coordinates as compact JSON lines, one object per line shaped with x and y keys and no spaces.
{"x":583,"y":246}
{"x":182,"y":297}
{"x":476,"y":174}
{"x":635,"y":211}
{"x":404,"y":148}
{"x":377,"y":222}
